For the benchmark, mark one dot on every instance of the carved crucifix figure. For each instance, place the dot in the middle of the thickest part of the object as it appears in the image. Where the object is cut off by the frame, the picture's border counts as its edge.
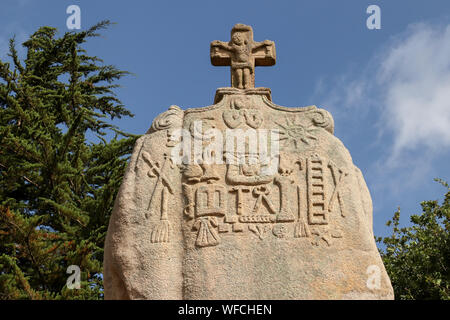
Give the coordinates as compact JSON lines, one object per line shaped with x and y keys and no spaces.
{"x":242,"y":54}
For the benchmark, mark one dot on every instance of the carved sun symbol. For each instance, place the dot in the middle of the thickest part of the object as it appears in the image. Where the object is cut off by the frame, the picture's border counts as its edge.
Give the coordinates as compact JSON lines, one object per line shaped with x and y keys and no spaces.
{"x":295,"y":133}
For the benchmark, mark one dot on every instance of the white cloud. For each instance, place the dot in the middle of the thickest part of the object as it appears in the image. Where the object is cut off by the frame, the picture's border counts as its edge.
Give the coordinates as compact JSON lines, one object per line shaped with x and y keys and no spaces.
{"x":415,"y":79}
{"x":345,"y":92}
{"x":408,"y":83}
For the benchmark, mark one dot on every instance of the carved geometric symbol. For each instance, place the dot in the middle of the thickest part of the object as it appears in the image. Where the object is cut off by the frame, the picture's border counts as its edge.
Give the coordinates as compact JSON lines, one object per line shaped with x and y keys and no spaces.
{"x":261,"y":193}
{"x":210,"y":200}
{"x":237,"y":227}
{"x":232,"y":118}
{"x":320,"y":236}
{"x":280,"y":231}
{"x":257,"y":218}
{"x":224,"y":227}
{"x":338,"y":177}
{"x":241,"y":111}
{"x":295,"y":133}
{"x":259,"y":229}
{"x":252,"y":118}
{"x":239,"y":198}
{"x":317,"y":204}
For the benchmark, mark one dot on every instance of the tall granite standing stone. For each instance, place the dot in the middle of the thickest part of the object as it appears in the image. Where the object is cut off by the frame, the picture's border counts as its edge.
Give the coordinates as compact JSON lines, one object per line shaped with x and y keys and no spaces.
{"x":198,"y":219}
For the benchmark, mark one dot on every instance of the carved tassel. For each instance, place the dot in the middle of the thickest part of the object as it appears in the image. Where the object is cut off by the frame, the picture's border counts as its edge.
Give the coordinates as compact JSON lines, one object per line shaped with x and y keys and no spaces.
{"x":301,"y":229}
{"x":160,"y":232}
{"x":207,"y":235}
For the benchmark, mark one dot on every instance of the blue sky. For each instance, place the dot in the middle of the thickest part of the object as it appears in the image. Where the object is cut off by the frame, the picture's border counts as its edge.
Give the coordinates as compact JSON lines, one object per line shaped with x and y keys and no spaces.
{"x":388,"y":89}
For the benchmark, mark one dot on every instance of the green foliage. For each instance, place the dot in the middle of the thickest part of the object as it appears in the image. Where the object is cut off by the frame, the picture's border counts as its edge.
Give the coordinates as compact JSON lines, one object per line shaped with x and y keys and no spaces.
{"x":417,"y":258}
{"x":56,"y":188}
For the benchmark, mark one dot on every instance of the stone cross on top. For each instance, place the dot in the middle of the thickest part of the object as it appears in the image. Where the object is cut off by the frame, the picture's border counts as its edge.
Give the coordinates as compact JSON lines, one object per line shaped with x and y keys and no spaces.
{"x":242,"y":54}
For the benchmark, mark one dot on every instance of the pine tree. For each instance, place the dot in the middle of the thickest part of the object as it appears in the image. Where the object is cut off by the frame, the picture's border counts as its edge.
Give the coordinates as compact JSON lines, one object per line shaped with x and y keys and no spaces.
{"x":57,"y":187}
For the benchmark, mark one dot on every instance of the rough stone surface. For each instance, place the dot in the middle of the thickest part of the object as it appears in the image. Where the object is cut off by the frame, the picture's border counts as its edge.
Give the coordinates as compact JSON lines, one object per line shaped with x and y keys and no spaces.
{"x":237,"y":231}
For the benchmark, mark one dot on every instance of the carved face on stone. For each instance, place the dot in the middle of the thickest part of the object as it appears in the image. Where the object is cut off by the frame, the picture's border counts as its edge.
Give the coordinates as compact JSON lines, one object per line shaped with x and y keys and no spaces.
{"x":238,"y":39}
